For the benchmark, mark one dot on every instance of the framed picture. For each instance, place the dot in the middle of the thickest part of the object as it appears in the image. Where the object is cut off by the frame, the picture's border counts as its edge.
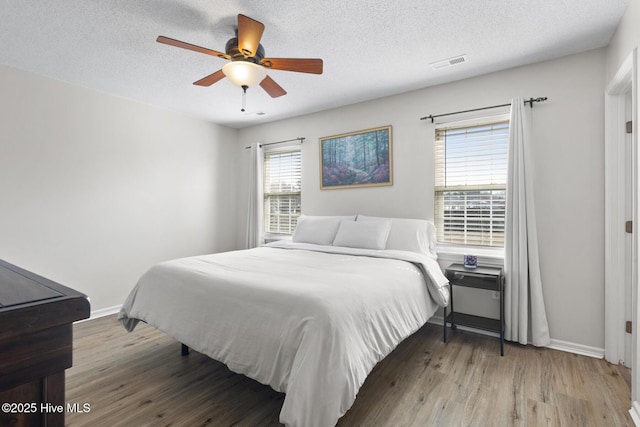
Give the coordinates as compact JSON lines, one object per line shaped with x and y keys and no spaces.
{"x":356,"y":159}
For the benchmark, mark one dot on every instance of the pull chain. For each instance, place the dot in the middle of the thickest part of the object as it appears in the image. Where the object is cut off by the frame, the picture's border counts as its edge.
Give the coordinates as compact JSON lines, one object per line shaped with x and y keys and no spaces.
{"x":244,"y":97}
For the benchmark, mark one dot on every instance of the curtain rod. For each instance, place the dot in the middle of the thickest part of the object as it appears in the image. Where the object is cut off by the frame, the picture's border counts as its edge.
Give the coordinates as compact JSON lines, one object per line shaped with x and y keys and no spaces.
{"x":300,"y":138}
{"x":527,"y":101}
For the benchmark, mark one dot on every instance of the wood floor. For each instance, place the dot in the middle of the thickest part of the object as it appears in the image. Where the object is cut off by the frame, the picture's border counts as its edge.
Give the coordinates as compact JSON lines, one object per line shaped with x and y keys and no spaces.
{"x":140,"y":379}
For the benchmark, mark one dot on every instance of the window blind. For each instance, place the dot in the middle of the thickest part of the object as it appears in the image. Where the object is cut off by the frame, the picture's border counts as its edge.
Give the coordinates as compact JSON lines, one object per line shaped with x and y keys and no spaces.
{"x":470,"y":183}
{"x":282,"y":178}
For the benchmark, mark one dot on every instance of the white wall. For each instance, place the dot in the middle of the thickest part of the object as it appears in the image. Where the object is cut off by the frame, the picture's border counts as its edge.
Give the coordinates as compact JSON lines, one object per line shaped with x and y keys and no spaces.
{"x":568,"y":159}
{"x":625,"y":39}
{"x":95,"y":188}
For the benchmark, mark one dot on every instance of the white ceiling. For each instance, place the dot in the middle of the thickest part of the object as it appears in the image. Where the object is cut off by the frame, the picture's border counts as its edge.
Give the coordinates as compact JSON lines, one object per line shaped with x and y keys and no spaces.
{"x":370,"y":48}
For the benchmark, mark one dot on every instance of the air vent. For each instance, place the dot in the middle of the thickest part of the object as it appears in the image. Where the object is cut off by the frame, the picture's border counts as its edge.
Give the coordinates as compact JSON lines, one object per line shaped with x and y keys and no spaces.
{"x":460,"y":59}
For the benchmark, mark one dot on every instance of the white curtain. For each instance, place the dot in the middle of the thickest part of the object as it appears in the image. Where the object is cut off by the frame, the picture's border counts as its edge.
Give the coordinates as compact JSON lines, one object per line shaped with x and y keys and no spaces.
{"x":523,"y":290}
{"x":255,"y":205}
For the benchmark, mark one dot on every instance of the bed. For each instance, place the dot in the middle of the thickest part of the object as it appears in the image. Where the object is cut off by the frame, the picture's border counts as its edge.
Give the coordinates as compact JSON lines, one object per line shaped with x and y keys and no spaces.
{"x":310,"y":317}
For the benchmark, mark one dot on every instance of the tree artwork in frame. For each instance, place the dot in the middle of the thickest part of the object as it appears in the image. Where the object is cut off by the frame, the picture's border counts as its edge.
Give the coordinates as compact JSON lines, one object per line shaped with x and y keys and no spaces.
{"x":356,"y":159}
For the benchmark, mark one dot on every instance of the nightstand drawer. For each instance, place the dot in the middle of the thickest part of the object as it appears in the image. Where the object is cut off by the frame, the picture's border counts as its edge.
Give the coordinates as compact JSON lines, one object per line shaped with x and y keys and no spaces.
{"x":474,"y":281}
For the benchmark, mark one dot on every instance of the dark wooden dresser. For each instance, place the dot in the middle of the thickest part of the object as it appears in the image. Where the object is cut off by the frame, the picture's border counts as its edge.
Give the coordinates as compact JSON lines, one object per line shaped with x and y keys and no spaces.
{"x":36,"y":319}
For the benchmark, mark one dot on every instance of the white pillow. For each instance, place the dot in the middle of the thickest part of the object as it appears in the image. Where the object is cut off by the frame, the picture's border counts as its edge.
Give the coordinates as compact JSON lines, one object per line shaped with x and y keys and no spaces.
{"x":319,"y":230}
{"x":364,"y":234}
{"x":414,"y":235}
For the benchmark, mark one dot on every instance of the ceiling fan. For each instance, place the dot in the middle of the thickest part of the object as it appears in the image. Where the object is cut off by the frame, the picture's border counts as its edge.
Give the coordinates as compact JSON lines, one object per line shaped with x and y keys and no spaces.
{"x":248,"y":65}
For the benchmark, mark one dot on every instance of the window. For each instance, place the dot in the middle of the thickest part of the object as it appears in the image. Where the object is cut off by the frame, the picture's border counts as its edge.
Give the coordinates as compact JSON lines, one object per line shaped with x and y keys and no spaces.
{"x":470,"y":183}
{"x":282,"y":177}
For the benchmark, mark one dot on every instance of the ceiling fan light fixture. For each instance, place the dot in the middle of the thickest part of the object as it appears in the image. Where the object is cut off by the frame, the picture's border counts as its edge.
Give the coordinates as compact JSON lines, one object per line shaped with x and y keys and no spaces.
{"x":248,"y":65}
{"x":244,"y":73}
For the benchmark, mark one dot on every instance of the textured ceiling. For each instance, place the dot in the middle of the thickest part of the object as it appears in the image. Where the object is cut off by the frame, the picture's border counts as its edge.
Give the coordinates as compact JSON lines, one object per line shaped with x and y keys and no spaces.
{"x":370,"y":48}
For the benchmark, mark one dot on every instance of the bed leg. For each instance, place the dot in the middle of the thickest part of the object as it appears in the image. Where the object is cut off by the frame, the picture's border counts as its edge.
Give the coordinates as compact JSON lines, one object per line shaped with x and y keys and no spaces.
{"x":184,"y":351}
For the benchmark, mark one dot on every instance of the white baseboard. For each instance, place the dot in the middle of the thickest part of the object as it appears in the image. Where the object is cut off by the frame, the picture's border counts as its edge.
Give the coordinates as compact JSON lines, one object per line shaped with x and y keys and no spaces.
{"x":103,"y":312}
{"x":569,"y":347}
{"x":635,"y":412}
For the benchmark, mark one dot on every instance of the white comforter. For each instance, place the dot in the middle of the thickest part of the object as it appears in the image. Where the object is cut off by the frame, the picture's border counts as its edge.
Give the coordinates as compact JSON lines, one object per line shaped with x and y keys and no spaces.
{"x":311,"y":321}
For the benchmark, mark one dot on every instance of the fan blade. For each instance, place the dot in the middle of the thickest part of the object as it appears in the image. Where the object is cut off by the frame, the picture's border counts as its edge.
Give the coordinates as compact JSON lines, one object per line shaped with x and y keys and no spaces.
{"x":210,"y":79}
{"x":189,"y":46}
{"x":249,"y":35}
{"x":272,"y":88}
{"x":300,"y":65}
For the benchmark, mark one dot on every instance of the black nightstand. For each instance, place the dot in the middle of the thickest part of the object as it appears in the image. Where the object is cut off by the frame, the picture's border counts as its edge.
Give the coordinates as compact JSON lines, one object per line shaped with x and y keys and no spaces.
{"x":489,"y":278}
